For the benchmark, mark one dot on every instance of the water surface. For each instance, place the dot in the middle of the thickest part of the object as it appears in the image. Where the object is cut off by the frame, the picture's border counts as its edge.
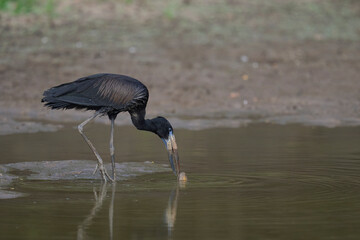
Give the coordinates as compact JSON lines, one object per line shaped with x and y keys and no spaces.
{"x":256,"y":182}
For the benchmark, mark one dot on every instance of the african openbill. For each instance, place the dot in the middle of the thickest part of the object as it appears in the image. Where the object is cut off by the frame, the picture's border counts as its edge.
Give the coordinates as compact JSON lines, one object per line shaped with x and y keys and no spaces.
{"x":111,"y":94}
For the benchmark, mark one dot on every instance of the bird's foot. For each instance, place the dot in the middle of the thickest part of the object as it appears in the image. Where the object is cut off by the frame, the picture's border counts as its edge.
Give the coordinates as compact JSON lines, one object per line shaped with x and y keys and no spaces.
{"x":105,"y":176}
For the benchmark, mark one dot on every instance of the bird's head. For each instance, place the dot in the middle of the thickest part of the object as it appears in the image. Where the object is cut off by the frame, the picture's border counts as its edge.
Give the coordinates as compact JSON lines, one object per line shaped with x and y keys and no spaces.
{"x":165,"y":131}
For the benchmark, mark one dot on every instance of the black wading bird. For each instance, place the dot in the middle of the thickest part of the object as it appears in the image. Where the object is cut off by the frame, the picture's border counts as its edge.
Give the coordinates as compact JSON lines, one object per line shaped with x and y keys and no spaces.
{"x":111,"y":94}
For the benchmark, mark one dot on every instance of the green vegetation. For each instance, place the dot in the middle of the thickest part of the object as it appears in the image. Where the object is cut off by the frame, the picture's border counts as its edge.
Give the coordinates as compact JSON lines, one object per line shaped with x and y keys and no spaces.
{"x":28,"y":6}
{"x":17,"y":6}
{"x":211,"y":20}
{"x":312,"y":19}
{"x":171,"y":9}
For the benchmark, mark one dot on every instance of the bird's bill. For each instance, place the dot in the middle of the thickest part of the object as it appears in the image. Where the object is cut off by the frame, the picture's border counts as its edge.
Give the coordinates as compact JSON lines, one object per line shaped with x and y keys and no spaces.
{"x":171,"y":147}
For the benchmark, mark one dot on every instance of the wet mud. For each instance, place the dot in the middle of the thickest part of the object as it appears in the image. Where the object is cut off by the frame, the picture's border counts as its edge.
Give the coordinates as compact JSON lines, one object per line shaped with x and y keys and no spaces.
{"x":66,"y":171}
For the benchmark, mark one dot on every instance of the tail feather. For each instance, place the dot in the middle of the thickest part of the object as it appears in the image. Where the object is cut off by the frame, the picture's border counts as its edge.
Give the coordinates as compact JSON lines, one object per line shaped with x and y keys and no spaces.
{"x":52,"y":95}
{"x":53,"y":103}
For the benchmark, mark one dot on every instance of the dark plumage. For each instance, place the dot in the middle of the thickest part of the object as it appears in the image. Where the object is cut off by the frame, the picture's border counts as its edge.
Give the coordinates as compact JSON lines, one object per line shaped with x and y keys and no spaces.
{"x":101,"y":91}
{"x":111,"y":94}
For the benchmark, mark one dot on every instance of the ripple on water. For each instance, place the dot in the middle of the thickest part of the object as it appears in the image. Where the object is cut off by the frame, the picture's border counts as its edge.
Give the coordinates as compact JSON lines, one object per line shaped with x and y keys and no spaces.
{"x":314,"y":186}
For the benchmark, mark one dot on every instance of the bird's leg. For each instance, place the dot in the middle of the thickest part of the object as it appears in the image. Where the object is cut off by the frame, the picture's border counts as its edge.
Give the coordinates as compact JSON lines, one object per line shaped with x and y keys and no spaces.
{"x":100,"y":164}
{"x":96,"y":168}
{"x":112,"y":149}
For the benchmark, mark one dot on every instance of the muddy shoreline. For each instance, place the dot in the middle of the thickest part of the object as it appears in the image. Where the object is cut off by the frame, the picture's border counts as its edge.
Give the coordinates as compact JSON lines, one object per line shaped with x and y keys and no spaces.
{"x":226,"y":69}
{"x":22,"y":124}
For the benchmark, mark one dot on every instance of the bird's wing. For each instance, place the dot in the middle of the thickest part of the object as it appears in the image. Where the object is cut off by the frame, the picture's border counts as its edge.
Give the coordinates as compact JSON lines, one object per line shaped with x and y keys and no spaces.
{"x":102,"y":90}
{"x":121,"y":91}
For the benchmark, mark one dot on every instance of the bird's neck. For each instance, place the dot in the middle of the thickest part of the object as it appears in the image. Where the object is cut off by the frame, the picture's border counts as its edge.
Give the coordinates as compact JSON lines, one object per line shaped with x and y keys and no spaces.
{"x":139,"y":121}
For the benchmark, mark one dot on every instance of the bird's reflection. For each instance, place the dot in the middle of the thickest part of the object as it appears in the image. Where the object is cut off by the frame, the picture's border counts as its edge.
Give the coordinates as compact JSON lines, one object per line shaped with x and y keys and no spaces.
{"x":171,"y":210}
{"x":99,"y":196}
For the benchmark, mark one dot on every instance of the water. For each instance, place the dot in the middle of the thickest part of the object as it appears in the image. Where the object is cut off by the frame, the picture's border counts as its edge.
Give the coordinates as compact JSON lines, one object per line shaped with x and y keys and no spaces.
{"x":256,"y":182}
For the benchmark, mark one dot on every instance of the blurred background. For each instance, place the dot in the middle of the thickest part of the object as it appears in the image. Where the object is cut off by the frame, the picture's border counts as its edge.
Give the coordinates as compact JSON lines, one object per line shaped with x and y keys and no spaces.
{"x":277,"y":61}
{"x":207,"y":64}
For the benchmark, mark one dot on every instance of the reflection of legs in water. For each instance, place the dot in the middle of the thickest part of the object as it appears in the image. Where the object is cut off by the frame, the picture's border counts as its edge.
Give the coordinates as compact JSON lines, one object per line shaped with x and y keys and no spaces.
{"x":170,"y":211}
{"x":99,"y":201}
{"x":111,"y":210}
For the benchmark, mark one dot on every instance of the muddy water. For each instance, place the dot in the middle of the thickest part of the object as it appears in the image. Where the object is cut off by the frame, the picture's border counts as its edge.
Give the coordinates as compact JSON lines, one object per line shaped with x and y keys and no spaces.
{"x":255,"y":182}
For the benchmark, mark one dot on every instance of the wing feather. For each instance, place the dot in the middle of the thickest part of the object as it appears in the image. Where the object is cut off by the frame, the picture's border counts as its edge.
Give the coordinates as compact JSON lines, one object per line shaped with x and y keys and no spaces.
{"x":120,"y":92}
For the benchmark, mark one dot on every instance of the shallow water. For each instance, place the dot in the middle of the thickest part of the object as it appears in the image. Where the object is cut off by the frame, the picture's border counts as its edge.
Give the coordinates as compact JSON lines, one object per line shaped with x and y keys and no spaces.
{"x":255,"y":182}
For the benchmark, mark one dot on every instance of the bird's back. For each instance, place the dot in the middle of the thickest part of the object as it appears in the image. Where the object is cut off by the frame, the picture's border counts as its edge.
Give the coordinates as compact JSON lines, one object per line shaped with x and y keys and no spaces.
{"x":99,"y":91}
